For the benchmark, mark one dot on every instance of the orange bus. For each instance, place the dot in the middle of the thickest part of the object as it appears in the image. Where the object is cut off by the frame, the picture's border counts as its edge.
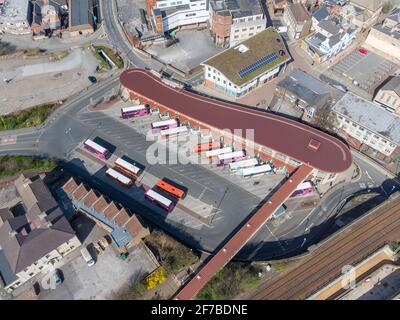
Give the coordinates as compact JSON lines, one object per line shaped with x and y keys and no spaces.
{"x":170,"y":189}
{"x":201,"y":147}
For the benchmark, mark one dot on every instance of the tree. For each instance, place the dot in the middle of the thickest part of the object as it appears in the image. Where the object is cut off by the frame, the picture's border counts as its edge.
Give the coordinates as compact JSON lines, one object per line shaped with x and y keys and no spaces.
{"x":155,"y":278}
{"x":324,"y":119}
{"x":387,"y":7}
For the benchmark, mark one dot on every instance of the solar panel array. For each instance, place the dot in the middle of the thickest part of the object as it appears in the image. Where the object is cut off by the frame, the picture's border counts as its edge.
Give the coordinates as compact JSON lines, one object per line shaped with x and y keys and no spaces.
{"x":258,"y":64}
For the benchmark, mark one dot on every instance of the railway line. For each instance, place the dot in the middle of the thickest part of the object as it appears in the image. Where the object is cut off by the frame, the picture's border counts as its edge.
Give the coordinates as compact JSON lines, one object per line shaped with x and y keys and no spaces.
{"x":349,"y":247}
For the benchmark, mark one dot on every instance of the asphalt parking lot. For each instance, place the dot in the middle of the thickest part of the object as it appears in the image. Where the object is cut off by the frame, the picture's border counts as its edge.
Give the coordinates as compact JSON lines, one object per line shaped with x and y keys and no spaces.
{"x":107,"y":276}
{"x":231,"y":197}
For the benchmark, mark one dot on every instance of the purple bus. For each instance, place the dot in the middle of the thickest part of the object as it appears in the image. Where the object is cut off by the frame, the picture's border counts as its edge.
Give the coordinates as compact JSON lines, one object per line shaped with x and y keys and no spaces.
{"x":159,"y":200}
{"x":163,"y":125}
{"x":97,"y":149}
{"x":135,"y":111}
{"x":230,"y":157}
{"x":303,"y":189}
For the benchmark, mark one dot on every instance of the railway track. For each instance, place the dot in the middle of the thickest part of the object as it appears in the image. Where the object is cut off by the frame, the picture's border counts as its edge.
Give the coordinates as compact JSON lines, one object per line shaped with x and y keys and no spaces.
{"x":349,"y":247}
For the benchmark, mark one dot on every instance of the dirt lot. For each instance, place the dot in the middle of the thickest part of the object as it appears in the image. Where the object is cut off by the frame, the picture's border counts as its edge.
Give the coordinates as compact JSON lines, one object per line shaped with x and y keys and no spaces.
{"x":43,"y":81}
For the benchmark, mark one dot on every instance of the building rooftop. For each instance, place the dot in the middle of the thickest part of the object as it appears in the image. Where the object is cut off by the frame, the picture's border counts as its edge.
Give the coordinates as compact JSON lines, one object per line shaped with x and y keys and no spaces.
{"x":237,"y":8}
{"x":372,"y":5}
{"x":277,"y":133}
{"x":14,"y":11}
{"x":81,"y":13}
{"x":305,"y":86}
{"x":370,"y":115}
{"x":392,"y":84}
{"x":329,"y":26}
{"x":321,"y":14}
{"x":24,"y":239}
{"x":230,"y":62}
{"x":299,"y":12}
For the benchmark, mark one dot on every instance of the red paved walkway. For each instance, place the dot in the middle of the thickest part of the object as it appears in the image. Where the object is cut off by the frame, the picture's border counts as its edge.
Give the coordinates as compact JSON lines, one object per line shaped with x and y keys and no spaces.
{"x":222,"y":257}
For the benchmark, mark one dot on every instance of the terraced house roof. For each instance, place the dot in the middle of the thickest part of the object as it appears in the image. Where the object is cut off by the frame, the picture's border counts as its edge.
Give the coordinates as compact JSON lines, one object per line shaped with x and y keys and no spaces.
{"x":231,"y":61}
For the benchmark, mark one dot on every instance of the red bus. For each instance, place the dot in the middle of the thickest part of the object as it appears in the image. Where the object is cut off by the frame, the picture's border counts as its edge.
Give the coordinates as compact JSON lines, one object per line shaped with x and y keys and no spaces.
{"x":170,"y":189}
{"x":97,"y":149}
{"x":201,"y":147}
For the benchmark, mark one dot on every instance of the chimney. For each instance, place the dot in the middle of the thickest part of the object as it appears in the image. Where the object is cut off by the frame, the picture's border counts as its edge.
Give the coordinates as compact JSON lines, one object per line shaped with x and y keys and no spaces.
{"x":12,"y":233}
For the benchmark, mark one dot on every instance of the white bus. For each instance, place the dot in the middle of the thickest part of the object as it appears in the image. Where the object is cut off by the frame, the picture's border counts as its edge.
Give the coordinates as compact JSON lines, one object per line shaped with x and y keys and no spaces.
{"x":97,"y":149}
{"x":217,"y":152}
{"x":174,"y":131}
{"x":259,"y":170}
{"x":119,"y":177}
{"x":164,"y":124}
{"x":234,"y":166}
{"x":127,"y":167}
{"x":230,"y":157}
{"x":159,"y":199}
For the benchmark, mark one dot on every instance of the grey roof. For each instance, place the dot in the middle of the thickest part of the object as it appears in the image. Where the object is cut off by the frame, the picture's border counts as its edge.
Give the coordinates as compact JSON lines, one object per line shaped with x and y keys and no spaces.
{"x":321,"y":14}
{"x":393,"y":84}
{"x":7,"y":276}
{"x":237,"y":8}
{"x":394,"y":15}
{"x":27,"y":238}
{"x":372,"y":5}
{"x":80,"y":12}
{"x":305,"y":86}
{"x":329,"y":26}
{"x":370,"y":115}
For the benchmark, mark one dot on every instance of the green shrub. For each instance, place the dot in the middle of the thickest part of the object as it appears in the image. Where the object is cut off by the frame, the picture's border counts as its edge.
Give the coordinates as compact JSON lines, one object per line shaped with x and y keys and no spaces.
{"x":11,"y":165}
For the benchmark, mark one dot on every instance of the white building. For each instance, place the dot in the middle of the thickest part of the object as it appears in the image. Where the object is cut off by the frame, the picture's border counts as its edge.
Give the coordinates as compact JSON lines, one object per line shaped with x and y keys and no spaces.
{"x":367,"y":125}
{"x":171,"y":14}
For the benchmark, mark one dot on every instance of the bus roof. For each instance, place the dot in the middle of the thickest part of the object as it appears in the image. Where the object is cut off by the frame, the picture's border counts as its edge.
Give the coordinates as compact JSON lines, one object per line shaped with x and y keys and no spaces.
{"x":156,"y":196}
{"x":134,"y":108}
{"x":96,"y":146}
{"x":164,"y":123}
{"x":231,"y":155}
{"x":115,"y":174}
{"x":217,"y":152}
{"x":243,"y":163}
{"x":180,"y":129}
{"x":304,"y":185}
{"x":129,"y":166}
{"x":255,"y":170}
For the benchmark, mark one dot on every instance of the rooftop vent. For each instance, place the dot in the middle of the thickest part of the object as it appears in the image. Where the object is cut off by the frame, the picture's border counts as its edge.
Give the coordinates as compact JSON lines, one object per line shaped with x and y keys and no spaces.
{"x":242,"y":48}
{"x":314,"y":144}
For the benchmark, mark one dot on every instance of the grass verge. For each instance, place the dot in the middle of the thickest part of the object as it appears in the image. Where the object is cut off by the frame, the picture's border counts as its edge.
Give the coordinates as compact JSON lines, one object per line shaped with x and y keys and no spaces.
{"x":11,"y":165}
{"x":118,"y":61}
{"x":233,"y":279}
{"x":27,"y":118}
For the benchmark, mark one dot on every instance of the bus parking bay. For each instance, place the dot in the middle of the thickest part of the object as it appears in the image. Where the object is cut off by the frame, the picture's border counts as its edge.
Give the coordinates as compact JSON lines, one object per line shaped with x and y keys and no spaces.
{"x":259,"y":186}
{"x":190,"y":211}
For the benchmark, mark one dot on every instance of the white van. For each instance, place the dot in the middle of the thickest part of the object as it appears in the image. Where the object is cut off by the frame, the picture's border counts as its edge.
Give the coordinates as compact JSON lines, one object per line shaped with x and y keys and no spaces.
{"x":87,"y":256}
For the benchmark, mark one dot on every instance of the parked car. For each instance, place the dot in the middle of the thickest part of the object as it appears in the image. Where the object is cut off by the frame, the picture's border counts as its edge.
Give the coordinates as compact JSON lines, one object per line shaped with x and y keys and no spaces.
{"x":87,"y":256}
{"x":56,"y":277}
{"x":92,"y":79}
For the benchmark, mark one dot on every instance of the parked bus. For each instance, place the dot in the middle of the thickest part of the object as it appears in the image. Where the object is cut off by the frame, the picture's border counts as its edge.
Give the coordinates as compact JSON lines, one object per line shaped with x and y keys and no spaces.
{"x":230,"y":157}
{"x":159,"y":200}
{"x":303,"y":189}
{"x":217,"y":152}
{"x":135,"y":111}
{"x":164,"y":124}
{"x":128,"y":168}
{"x":201,"y":147}
{"x":174,"y":131}
{"x":235,"y":166}
{"x":256,"y":171}
{"x":97,"y":149}
{"x":119,"y":177}
{"x":170,"y":189}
